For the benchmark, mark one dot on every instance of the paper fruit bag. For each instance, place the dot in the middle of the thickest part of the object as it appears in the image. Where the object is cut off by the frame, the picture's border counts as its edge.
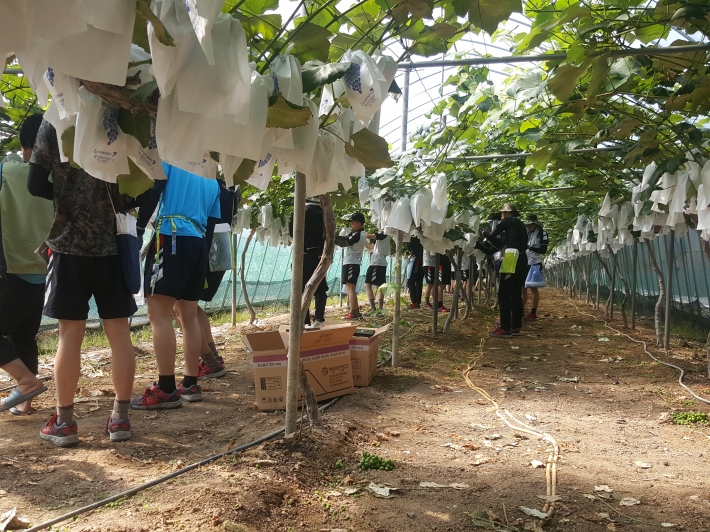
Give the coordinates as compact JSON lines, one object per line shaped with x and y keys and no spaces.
{"x":100,"y":147}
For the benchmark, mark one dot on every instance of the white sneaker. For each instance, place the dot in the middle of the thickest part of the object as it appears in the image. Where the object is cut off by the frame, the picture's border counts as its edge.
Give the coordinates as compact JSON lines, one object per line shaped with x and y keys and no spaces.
{"x":317,"y":324}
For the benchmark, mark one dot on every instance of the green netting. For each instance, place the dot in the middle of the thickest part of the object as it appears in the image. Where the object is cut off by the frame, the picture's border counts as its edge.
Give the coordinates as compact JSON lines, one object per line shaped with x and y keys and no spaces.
{"x":268,"y":281}
{"x":691,"y":277}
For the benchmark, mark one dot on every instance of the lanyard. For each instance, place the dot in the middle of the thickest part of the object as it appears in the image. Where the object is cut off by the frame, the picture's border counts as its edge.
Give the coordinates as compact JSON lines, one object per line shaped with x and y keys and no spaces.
{"x":158,"y":227}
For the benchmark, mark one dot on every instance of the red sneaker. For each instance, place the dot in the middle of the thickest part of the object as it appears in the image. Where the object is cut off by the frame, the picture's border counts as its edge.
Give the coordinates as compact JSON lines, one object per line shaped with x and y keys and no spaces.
{"x":515,"y":332}
{"x":500,"y":333}
{"x":412,"y":306}
{"x":352,"y":316}
{"x":530,"y":317}
{"x":118,"y":429}
{"x":64,"y":435}
{"x":156,"y":399}
{"x":428,"y":306}
{"x":192,"y":394}
{"x":443,"y":309}
{"x":206,"y":372}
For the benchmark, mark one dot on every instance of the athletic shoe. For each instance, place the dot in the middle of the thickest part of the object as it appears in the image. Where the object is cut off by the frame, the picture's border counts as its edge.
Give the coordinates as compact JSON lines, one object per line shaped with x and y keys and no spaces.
{"x":443,"y":309}
{"x":428,"y":306}
{"x":206,"y":372}
{"x":530,"y":317}
{"x":193,"y":394}
{"x":64,"y":435}
{"x":317,"y":324}
{"x":412,"y":306}
{"x":118,"y":429}
{"x":352,"y":316}
{"x":156,"y":399}
{"x":515,"y":332}
{"x":500,"y":333}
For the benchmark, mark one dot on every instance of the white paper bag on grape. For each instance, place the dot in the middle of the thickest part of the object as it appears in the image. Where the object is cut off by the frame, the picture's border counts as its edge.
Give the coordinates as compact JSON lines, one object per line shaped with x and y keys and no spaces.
{"x":263,"y":172}
{"x":51,"y":115}
{"x":365,"y":85}
{"x":64,"y":90}
{"x":100,"y":147}
{"x":401,"y":216}
{"x":147,"y":159}
{"x":221,"y":90}
{"x":205,"y":166}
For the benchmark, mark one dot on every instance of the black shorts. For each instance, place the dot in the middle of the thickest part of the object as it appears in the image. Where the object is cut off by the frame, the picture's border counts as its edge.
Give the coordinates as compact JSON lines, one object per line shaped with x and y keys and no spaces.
{"x":376,"y":275}
{"x":444,"y":270}
{"x":212,"y":282}
{"x":350,"y":273}
{"x":464,"y":274}
{"x":72,"y":280}
{"x":429,"y":272}
{"x":181,"y":276}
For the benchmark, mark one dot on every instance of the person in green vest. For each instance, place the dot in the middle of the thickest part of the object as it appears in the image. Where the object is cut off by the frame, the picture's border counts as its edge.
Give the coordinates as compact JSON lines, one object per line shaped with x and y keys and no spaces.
{"x":25,"y":222}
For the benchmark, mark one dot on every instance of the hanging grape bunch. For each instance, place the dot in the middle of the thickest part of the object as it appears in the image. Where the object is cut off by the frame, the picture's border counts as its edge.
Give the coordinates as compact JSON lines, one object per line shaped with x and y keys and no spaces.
{"x":352,"y":78}
{"x":110,"y":123}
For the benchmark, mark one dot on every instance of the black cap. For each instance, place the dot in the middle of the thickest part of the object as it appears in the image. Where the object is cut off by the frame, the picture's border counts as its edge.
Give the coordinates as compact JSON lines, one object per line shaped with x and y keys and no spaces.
{"x":531,"y":219}
{"x":358,"y":217}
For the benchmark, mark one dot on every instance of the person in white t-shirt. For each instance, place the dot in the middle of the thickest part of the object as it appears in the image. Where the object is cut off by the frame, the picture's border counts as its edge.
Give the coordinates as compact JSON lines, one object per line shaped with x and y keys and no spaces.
{"x":356,"y":241}
{"x":377,"y":271}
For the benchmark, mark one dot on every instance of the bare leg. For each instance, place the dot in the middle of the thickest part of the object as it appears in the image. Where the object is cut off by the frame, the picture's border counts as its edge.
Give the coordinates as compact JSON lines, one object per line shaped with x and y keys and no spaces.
{"x":535,"y":297}
{"x":441,"y":295}
{"x":369,"y":292}
{"x":192,"y":335}
{"x":67,"y":362}
{"x":352,"y":297}
{"x":159,"y":313}
{"x":123,"y":361}
{"x":205,"y":327}
{"x":26,"y":381}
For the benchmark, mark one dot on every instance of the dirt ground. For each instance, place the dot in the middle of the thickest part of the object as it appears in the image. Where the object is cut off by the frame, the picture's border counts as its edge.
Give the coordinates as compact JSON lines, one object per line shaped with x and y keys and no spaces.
{"x":613,"y":426}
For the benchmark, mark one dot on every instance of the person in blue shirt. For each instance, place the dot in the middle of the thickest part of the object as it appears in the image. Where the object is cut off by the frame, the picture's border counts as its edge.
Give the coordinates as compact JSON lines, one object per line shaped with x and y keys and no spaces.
{"x":175,"y":272}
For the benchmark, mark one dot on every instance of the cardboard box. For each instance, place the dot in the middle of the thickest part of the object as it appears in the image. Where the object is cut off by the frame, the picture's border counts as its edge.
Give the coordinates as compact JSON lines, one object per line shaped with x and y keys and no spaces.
{"x":270,"y":361}
{"x":326,"y":361}
{"x":364,"y":353}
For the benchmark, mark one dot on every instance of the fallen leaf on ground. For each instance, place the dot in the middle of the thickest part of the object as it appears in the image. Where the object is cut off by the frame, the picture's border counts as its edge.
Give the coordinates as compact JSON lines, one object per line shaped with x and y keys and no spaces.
{"x":643,"y":465}
{"x":629,"y":501}
{"x":382,"y":492}
{"x":493,"y":436}
{"x":603,"y":339}
{"x":530,"y":417}
{"x":532,"y":512}
{"x":668,"y":525}
{"x":603,"y":487}
{"x":537,"y":463}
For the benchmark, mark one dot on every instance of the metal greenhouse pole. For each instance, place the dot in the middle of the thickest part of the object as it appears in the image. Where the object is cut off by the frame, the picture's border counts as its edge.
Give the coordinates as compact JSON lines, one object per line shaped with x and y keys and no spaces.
{"x":634,"y":264}
{"x":669,"y":292}
{"x":296,"y":323}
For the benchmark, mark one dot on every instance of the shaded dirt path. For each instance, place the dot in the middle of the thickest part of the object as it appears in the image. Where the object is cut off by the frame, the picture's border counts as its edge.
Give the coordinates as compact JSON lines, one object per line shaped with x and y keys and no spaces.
{"x":423,"y":416}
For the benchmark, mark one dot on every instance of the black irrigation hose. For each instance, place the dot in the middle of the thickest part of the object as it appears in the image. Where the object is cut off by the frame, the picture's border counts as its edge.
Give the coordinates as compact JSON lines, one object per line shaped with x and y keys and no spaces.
{"x":155,"y":482}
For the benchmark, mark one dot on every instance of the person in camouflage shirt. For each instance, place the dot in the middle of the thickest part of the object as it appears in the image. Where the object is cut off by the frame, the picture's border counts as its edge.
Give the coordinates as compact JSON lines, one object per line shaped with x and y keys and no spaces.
{"x":83,"y":262}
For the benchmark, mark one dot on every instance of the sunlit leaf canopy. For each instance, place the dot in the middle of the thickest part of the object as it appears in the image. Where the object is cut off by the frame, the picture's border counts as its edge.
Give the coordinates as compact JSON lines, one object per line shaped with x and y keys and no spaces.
{"x":651,"y":107}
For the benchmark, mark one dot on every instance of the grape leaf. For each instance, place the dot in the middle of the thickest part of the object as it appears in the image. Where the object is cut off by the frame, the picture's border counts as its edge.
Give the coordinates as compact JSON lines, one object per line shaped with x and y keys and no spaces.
{"x":286,"y":115}
{"x":135,"y":182}
{"x":370,"y":149}
{"x":315,"y":74}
